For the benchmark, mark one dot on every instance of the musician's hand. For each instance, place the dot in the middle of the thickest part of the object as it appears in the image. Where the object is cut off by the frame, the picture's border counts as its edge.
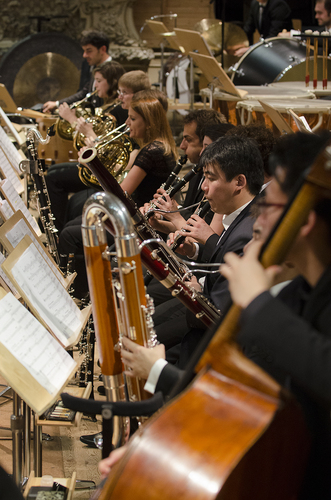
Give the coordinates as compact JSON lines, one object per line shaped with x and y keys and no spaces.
{"x":186,"y":248}
{"x":81,"y":151}
{"x":241,"y":51}
{"x":106,"y":464}
{"x":246,"y":276}
{"x":49,"y":106}
{"x":194,"y":283}
{"x":168,"y":205}
{"x":198,"y":229}
{"x":66,"y":113}
{"x":85,"y":128}
{"x":140,"y":359}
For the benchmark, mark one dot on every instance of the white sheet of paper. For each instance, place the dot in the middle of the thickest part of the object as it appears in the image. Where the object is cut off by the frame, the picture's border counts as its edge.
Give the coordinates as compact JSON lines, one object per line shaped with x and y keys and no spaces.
{"x":9,"y":172}
{"x":10,"y":150}
{"x":23,"y":335}
{"x":47,"y":295}
{"x":17,"y":233}
{"x":17,"y":203}
{"x":6,"y":210}
{"x":4,"y":276}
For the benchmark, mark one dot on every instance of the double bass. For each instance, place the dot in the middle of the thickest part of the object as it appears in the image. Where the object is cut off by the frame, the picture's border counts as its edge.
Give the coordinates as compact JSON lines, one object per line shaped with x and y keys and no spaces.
{"x":234,"y":433}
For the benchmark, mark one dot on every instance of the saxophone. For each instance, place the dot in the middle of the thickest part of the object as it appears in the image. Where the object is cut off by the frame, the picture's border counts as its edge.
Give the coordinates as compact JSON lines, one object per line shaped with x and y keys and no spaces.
{"x":120,"y":306}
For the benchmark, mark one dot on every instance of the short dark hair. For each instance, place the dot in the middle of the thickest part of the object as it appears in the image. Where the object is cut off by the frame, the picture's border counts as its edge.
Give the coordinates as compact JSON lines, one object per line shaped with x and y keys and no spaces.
{"x":216,"y":130}
{"x":96,"y":38}
{"x":294,"y":153}
{"x":235,"y":155}
{"x":112,"y":72}
{"x":327,"y":5}
{"x":264,"y":138}
{"x":202,"y":117}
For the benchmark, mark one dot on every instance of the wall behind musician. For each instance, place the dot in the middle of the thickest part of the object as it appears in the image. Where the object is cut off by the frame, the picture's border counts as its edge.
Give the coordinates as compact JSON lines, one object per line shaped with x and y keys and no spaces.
{"x":95,"y":45}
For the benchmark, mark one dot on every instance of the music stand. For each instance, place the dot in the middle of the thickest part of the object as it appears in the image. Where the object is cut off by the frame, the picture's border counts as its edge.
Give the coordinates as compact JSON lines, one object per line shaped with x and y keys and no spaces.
{"x":192,"y":41}
{"x":216,"y":75}
{"x":276,"y":118}
{"x":160,"y":29}
{"x":6,"y":100}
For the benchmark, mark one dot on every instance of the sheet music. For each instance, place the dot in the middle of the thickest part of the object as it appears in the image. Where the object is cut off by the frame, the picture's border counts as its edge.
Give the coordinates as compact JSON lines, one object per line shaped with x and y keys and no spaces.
{"x":12,"y":153}
{"x":17,"y":203}
{"x":4,"y":276}
{"x":47,"y":295}
{"x":17,"y":233}
{"x":33,"y":346}
{"x":5,"y":210}
{"x":9,"y":172}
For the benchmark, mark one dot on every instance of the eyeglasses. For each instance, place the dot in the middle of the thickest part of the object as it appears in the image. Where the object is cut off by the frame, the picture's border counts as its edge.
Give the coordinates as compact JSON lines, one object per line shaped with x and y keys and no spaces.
{"x":263,"y":205}
{"x":123,"y":93}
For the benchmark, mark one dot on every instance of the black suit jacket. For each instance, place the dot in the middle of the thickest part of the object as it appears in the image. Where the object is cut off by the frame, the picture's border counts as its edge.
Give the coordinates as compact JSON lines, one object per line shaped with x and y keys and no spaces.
{"x":292,"y":342}
{"x":275,"y":18}
{"x":234,"y":240}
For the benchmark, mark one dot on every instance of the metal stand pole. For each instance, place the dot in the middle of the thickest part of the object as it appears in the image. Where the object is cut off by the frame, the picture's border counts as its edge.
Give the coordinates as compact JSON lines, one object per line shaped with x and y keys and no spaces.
{"x":17,"y":425}
{"x":192,"y":82}
{"x":27,"y":441}
{"x":162,"y":66}
{"x":37,"y":447}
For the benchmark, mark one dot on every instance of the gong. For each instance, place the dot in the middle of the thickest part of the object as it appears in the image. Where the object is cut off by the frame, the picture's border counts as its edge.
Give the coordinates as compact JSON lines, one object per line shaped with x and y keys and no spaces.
{"x":42,"y":67}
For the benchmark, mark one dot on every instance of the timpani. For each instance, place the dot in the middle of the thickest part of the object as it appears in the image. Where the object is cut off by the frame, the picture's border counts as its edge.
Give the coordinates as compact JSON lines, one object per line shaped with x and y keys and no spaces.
{"x":316,"y":111}
{"x":318,"y":92}
{"x":227,"y":103}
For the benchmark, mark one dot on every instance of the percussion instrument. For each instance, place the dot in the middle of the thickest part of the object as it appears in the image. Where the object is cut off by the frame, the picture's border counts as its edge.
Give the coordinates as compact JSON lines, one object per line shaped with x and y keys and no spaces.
{"x":316,"y":111}
{"x":271,"y":60}
{"x":42,"y":67}
{"x":227,"y":103}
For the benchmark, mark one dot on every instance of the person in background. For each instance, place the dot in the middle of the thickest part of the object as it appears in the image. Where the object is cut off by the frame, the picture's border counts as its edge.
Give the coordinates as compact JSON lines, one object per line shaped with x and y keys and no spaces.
{"x":95,"y":45}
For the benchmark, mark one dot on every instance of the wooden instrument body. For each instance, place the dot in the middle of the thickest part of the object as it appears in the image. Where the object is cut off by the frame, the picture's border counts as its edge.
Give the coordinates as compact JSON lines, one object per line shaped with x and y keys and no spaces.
{"x":226,"y":453}
{"x":103,"y":307}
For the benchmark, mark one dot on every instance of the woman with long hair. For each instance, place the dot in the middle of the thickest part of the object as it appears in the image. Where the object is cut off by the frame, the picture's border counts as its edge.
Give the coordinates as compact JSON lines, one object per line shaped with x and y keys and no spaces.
{"x":157,"y":155}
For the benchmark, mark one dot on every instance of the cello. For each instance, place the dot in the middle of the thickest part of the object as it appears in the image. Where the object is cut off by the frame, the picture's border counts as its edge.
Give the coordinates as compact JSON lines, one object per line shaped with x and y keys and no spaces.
{"x":234,"y":433}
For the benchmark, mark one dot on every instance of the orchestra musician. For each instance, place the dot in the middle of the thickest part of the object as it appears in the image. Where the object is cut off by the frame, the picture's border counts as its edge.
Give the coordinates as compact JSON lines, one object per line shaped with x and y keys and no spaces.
{"x":95,"y":45}
{"x":269,"y":17}
{"x":288,"y":336}
{"x":152,"y":164}
{"x":63,"y":178}
{"x":323,"y":14}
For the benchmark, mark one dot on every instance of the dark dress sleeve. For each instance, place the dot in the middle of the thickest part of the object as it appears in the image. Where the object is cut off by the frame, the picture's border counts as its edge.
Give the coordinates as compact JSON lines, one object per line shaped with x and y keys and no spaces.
{"x":157,"y":165}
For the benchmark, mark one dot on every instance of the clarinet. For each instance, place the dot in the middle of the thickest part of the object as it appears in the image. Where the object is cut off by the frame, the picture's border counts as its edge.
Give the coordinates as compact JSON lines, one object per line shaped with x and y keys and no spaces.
{"x":202,"y":210}
{"x":177,"y":187}
{"x":142,"y":227}
{"x":36,"y":168}
{"x":173,"y":177}
{"x":160,"y":261}
{"x":169,"y":183}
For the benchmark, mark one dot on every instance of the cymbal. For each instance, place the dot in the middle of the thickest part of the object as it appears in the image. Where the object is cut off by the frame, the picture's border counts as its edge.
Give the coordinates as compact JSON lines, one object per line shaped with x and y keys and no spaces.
{"x":45,"y":77}
{"x":211,"y":30}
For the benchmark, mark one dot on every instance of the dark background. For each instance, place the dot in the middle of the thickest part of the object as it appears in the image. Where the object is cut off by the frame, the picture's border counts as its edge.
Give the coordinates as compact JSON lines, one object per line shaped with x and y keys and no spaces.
{"x":236,"y":10}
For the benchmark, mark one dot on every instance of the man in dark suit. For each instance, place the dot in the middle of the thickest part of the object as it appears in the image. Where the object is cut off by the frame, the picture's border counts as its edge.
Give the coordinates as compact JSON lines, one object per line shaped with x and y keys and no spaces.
{"x":269,"y":17}
{"x":290,"y":336}
{"x":95,"y":45}
{"x":233,"y":170}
